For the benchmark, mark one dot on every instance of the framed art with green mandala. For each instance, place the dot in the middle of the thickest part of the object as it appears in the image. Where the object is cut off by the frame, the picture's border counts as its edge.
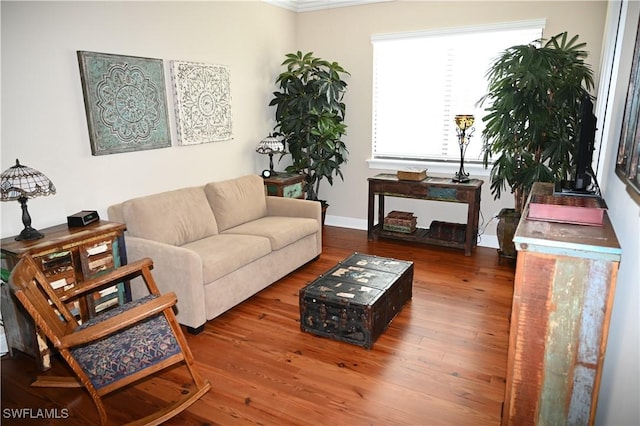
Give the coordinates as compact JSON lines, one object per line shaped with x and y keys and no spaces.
{"x":125,"y":101}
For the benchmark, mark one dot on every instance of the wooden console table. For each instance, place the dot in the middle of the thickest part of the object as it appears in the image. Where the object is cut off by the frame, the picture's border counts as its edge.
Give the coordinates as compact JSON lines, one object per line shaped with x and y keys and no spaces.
{"x":431,"y":188}
{"x":68,"y":257}
{"x":563,"y":294}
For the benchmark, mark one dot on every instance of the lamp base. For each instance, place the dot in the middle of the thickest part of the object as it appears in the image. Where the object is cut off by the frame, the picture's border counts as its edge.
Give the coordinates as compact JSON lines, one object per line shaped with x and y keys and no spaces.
{"x":28,"y":234}
{"x":460,"y":179}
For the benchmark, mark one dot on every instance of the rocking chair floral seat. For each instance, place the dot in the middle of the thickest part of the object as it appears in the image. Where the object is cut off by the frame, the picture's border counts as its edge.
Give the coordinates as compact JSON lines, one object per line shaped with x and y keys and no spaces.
{"x":114,"y":357}
{"x":126,"y":344}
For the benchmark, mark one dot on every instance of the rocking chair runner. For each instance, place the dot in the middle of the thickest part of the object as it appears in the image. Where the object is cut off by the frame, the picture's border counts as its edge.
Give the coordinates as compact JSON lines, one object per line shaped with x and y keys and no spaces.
{"x":123,"y":345}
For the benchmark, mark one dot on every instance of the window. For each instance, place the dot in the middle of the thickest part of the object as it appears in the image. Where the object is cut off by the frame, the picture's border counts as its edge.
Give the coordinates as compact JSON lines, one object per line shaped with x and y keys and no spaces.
{"x":422,"y":80}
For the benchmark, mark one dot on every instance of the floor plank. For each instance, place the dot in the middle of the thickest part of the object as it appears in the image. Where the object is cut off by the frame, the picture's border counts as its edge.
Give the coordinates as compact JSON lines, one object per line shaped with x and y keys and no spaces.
{"x":442,"y":360}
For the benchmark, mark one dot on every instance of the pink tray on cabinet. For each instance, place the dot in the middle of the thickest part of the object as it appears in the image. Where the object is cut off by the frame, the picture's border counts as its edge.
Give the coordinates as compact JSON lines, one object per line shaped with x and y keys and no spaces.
{"x":567,"y":209}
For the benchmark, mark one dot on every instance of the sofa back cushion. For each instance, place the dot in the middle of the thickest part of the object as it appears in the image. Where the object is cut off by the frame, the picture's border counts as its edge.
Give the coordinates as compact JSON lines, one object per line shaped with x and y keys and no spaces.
{"x":173,"y":217}
{"x":237,"y":201}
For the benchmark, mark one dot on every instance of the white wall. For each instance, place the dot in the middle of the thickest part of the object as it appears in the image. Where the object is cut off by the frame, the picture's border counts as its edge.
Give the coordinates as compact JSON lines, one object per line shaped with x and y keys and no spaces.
{"x":620,"y":388}
{"x":43,"y":115}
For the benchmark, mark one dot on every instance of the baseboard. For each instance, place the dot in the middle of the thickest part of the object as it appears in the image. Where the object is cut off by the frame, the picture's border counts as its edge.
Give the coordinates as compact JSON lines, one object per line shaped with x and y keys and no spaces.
{"x":490,"y":241}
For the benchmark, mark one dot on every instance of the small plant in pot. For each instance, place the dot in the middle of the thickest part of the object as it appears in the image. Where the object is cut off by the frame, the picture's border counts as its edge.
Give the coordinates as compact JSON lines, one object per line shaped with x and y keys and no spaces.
{"x":535,"y":93}
{"x":310,"y":116}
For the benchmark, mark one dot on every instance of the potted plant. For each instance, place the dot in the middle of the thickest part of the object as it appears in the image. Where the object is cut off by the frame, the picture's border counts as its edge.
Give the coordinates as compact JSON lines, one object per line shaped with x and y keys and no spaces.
{"x":532,"y":121}
{"x":310,"y":117}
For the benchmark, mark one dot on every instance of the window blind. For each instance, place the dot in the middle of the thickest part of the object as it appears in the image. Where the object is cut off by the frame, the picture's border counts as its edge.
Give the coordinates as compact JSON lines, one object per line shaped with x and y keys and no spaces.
{"x":421,"y":80}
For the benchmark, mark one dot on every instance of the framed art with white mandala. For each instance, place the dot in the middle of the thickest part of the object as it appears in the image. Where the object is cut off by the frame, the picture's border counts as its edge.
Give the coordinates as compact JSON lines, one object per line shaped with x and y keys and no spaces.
{"x":125,"y":101}
{"x":203,"y":102}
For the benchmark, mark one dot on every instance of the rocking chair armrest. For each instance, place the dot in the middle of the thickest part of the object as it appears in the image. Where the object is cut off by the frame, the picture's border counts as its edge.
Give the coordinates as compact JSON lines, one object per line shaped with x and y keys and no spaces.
{"x":118,"y":322}
{"x":123,"y":273}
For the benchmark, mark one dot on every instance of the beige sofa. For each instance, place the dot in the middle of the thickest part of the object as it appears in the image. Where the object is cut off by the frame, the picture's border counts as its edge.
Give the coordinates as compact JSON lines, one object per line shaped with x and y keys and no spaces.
{"x":218,"y":244}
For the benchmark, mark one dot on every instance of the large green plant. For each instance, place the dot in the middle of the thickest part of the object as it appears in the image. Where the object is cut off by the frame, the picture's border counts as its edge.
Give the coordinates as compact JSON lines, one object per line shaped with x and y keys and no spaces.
{"x":310,"y":117}
{"x":532,"y":123}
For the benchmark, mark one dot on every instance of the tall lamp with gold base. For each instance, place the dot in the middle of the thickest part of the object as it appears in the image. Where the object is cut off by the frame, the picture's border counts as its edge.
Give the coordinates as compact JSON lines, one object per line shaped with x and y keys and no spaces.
{"x":464,"y":132}
{"x":20,"y":183}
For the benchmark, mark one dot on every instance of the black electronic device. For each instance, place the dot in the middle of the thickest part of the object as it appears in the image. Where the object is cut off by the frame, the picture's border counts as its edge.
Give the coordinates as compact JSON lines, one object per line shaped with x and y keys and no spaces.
{"x":586,"y":145}
{"x":83,"y":218}
{"x":584,"y":179}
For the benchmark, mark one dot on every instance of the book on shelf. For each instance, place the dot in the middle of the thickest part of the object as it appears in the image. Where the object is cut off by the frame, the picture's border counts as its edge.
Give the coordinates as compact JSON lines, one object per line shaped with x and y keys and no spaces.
{"x":412,"y":173}
{"x":398,"y":221}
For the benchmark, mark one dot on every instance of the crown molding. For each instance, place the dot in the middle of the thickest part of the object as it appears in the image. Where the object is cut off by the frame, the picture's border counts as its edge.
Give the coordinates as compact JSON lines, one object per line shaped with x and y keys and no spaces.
{"x":311,"y":5}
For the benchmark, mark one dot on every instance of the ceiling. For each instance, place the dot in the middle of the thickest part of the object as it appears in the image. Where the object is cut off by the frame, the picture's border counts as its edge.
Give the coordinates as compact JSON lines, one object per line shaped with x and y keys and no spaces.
{"x":311,"y":5}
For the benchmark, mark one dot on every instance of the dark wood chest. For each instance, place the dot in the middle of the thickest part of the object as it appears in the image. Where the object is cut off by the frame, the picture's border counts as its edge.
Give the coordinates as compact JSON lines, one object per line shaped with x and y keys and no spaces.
{"x":356,"y":300}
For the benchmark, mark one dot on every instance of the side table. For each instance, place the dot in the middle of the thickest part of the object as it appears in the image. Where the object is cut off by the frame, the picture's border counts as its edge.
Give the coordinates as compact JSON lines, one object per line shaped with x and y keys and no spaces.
{"x":284,"y":185}
{"x":431,"y":188}
{"x":68,"y":257}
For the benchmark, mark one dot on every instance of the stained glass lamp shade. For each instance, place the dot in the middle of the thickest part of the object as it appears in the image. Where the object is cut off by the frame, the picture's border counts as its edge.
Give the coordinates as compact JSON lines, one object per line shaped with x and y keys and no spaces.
{"x":21,"y":183}
{"x":270,"y":145}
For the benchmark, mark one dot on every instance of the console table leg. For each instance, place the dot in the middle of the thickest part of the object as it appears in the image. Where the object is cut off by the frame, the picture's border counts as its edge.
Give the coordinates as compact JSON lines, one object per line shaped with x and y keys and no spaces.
{"x":470,"y":233}
{"x":370,"y":214}
{"x":380,"y":210}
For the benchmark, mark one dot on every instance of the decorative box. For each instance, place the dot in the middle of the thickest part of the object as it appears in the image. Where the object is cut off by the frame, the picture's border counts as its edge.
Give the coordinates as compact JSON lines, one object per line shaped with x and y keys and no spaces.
{"x":567,"y":209}
{"x":397,"y":221}
{"x":448,"y":231}
{"x":356,"y":300}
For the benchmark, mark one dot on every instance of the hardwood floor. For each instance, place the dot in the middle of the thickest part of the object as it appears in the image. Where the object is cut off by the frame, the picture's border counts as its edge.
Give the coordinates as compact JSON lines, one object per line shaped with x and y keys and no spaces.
{"x":442,"y":361}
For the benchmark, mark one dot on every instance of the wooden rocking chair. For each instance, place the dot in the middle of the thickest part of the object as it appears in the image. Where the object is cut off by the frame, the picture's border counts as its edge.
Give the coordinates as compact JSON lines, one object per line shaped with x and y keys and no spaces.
{"x":144,"y":333}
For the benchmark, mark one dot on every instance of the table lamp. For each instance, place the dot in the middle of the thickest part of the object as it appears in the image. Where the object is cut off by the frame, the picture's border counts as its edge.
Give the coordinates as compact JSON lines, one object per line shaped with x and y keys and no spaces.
{"x":21,"y":183}
{"x":270,"y":145}
{"x":464,"y":132}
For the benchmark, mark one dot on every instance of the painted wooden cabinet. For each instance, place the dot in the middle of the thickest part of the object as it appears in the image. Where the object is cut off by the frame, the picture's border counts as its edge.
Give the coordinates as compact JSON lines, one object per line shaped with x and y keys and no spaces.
{"x":563,"y":294}
{"x":285,"y":185}
{"x":67,"y":256}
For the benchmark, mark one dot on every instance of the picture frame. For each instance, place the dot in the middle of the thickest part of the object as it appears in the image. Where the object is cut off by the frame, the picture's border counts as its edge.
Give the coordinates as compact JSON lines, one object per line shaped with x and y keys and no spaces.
{"x":125,"y":102}
{"x":202,"y":101}
{"x":628,"y":158}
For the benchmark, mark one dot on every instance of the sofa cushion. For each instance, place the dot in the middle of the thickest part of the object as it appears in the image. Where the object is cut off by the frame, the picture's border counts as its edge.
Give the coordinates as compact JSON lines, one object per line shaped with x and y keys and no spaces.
{"x":237,"y":201}
{"x":223,"y":254}
{"x":172,"y":217}
{"x":281,"y":231}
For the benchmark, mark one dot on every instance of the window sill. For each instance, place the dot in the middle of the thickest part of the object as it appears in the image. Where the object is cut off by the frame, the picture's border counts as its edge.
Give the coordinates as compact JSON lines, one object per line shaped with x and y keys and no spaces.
{"x":474,"y":169}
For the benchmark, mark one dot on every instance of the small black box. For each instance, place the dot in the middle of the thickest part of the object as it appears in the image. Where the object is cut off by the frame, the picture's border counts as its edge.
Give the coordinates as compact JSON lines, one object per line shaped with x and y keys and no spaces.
{"x":83,"y":218}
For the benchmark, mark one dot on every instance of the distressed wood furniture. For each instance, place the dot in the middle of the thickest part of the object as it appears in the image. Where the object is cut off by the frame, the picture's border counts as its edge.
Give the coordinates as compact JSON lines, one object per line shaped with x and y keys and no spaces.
{"x":356,"y":300}
{"x":68,"y":256}
{"x":431,"y":188}
{"x":564,"y":287}
{"x":128,"y":344}
{"x":285,"y":185}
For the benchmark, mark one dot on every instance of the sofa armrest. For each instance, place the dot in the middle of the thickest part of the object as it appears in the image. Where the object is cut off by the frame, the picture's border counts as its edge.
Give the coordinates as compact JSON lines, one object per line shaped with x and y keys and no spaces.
{"x":177,"y":270}
{"x":294,"y":207}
